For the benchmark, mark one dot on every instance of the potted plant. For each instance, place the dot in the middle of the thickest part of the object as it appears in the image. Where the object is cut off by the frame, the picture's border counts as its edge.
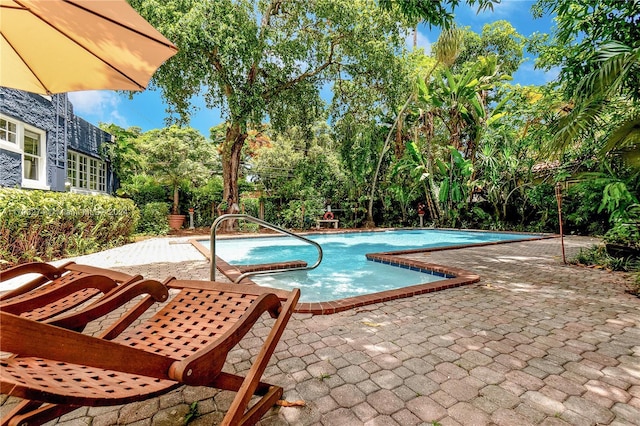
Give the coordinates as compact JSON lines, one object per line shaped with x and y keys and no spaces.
{"x":175,"y":156}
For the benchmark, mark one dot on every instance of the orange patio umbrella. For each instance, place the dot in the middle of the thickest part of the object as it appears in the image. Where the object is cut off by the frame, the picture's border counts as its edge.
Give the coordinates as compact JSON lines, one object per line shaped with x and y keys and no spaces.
{"x":56,"y":46}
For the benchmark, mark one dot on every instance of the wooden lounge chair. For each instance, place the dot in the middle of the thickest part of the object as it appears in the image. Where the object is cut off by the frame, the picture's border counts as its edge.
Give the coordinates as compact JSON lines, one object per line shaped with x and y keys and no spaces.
{"x":55,"y":290}
{"x":186,"y":342}
{"x":154,"y":291}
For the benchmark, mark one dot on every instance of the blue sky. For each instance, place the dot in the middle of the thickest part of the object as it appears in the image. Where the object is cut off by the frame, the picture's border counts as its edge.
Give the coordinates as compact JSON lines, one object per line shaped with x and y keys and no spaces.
{"x":147,"y":111}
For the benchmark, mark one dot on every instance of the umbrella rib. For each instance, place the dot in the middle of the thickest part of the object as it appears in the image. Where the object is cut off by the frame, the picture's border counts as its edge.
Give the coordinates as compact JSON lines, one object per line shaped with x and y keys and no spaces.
{"x":133,"y":30}
{"x":106,"y":18}
{"x":28,"y":67}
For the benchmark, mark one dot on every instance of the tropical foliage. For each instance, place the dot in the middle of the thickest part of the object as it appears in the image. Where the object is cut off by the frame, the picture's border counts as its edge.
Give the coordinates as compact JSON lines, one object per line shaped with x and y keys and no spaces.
{"x":597,"y":46}
{"x":400,"y":128}
{"x":325,"y":105}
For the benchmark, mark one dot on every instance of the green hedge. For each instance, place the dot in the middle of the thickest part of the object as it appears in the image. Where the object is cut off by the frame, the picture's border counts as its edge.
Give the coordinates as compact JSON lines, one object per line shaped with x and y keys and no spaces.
{"x":153,"y":219}
{"x":45,"y":225}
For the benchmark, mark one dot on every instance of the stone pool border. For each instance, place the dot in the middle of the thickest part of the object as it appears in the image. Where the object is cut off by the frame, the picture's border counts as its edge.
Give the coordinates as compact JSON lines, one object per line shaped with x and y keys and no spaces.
{"x":455,"y":277}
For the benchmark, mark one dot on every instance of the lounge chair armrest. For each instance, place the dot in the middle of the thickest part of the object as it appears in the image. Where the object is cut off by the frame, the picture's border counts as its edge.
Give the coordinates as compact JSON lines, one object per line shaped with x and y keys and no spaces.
{"x":204,"y":365}
{"x":46,"y":271}
{"x":120,"y":277}
{"x":28,"y":338}
{"x":108,"y":303}
{"x":49,"y":271}
{"x":43,"y":298}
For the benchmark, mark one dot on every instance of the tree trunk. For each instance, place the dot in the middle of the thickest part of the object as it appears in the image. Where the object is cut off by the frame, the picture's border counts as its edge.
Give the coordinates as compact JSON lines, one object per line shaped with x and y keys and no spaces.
{"x":231,"y":153}
{"x":176,"y":199}
{"x":370,"y":223}
{"x":399,"y":149}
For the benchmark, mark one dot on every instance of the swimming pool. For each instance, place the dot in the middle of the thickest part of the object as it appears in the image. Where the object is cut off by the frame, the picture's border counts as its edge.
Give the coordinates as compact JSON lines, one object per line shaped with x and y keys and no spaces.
{"x":345,"y":271}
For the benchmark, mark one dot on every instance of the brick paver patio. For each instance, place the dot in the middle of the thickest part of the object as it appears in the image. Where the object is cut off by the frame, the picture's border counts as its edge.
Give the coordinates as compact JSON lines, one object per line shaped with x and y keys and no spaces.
{"x":535,"y":342}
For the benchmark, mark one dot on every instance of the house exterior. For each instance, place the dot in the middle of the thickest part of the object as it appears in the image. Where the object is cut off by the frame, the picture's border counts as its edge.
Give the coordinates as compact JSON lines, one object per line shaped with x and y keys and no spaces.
{"x":44,"y":145}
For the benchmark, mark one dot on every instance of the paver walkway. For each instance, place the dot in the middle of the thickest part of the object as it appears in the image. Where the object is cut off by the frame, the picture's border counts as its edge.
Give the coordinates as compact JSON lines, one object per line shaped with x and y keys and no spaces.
{"x":534,"y":342}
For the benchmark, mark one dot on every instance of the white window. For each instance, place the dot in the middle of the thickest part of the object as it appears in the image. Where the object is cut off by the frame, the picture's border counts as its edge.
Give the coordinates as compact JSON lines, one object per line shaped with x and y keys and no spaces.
{"x":32,"y":155}
{"x":29,"y":142}
{"x":8,"y":131}
{"x":86,"y":174}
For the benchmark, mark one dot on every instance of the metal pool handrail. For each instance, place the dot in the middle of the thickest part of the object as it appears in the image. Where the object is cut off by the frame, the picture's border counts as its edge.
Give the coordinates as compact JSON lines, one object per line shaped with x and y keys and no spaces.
{"x":249,"y":218}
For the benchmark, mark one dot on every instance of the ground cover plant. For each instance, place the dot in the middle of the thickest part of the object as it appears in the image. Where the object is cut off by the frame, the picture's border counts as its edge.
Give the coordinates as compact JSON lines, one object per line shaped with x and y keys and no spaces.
{"x":599,"y":257}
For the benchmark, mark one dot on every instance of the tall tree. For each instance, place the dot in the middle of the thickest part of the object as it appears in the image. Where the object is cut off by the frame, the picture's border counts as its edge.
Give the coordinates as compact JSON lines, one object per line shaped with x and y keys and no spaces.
{"x":174,"y":155}
{"x":122,"y":151}
{"x":258,"y":59}
{"x":459,"y":102}
{"x":446,"y":50}
{"x":497,"y":38}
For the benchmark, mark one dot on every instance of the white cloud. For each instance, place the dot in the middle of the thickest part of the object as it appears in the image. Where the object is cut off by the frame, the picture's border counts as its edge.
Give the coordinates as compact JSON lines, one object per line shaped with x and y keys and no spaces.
{"x":509,"y":7}
{"x":98,"y":105}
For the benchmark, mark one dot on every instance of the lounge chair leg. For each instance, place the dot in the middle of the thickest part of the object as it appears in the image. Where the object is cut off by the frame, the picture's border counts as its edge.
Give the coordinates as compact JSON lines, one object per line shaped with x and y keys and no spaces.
{"x":255,"y":413}
{"x":23,"y":407}
{"x":251,"y":381}
{"x":27,"y":413}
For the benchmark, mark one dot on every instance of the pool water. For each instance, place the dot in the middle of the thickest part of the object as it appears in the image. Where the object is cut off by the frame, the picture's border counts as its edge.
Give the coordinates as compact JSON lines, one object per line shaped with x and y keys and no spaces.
{"x":345,"y":270}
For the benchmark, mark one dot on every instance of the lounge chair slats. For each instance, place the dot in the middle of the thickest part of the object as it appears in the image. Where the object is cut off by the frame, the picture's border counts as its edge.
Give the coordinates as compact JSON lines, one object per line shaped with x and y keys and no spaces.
{"x":186,"y":342}
{"x":58,"y":289}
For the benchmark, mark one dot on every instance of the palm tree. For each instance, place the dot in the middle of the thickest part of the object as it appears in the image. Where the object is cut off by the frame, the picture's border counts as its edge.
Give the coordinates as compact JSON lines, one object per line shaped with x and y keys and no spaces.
{"x":459,"y":101}
{"x":613,"y":80}
{"x":446,"y":50}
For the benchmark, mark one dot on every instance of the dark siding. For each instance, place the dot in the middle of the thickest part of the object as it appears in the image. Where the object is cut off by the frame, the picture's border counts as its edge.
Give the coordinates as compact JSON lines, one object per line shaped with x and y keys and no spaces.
{"x":10,"y":169}
{"x":50,"y":116}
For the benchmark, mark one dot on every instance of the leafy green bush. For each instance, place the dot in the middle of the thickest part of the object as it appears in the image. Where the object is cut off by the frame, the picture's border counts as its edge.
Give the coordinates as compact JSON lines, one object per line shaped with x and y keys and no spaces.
{"x":626,"y":228}
{"x":582,"y":214}
{"x":251,"y":206}
{"x":542,"y":216}
{"x":153,"y":219}
{"x":204,"y":200}
{"x":143,"y":189}
{"x":292,"y":216}
{"x":45,"y":225}
{"x":624,"y":234}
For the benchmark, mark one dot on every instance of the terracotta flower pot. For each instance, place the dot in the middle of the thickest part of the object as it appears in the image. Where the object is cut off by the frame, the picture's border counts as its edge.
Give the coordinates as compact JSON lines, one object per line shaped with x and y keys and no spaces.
{"x":176,"y":221}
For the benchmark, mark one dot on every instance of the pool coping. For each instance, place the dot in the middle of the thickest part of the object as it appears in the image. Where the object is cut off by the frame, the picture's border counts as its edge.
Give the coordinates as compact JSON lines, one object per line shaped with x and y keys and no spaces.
{"x":454,"y":277}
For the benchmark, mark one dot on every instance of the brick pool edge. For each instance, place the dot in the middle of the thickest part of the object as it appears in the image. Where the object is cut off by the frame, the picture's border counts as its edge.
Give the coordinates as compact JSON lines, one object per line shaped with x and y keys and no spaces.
{"x":454,"y":277}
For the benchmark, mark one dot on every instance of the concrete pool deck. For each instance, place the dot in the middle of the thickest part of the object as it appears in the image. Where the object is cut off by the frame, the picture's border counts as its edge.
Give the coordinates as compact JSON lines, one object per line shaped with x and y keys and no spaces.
{"x":533,"y":342}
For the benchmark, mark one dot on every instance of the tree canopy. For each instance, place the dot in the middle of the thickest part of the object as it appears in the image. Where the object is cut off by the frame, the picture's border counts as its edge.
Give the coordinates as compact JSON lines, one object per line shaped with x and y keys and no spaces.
{"x":260,"y":60}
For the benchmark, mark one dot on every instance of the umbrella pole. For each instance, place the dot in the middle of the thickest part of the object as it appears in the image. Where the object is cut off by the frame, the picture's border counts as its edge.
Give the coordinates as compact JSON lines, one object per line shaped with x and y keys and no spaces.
{"x":559,"y":199}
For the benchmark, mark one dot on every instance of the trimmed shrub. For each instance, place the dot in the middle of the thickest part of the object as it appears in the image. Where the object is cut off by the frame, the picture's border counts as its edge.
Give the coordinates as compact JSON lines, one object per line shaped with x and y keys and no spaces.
{"x":45,"y":225}
{"x":153,"y":219}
